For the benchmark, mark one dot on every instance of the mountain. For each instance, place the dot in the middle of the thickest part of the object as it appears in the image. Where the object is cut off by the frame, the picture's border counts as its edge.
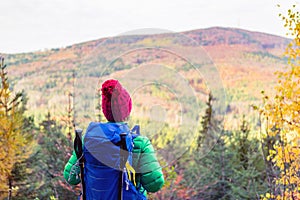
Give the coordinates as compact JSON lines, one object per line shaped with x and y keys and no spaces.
{"x":167,"y":74}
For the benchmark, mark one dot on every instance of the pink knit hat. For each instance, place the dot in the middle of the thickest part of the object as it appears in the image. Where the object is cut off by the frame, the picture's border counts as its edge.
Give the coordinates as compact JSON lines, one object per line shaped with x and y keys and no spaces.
{"x":116,"y":101}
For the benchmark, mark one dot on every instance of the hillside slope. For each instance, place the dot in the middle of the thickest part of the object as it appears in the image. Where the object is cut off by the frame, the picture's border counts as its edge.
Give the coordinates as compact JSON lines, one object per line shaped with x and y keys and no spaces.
{"x":242,"y":62}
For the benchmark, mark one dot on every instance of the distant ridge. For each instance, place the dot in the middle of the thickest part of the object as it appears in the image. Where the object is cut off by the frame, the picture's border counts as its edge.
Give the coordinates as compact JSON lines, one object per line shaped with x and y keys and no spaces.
{"x":229,"y":36}
{"x":246,"y":61}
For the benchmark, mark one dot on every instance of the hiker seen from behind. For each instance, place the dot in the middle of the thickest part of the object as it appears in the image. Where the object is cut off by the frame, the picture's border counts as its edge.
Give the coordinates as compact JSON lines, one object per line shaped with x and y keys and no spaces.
{"x":114,"y":161}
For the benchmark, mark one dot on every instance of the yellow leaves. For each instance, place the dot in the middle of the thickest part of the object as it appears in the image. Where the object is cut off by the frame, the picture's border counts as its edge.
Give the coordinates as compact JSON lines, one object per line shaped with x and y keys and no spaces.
{"x":15,"y":145}
{"x":272,"y":154}
{"x":283,"y":116}
{"x":267,"y":196}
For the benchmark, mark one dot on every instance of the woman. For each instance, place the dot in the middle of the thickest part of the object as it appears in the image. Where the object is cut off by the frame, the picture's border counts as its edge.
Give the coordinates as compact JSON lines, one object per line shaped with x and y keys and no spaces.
{"x":116,"y":107}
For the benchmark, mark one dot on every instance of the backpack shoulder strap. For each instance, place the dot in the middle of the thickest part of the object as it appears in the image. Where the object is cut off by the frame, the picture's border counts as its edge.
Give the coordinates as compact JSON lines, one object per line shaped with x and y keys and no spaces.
{"x":123,"y":150}
{"x":125,"y":166}
{"x":123,"y":159}
{"x":135,"y":131}
{"x":78,"y":143}
{"x":79,"y":154}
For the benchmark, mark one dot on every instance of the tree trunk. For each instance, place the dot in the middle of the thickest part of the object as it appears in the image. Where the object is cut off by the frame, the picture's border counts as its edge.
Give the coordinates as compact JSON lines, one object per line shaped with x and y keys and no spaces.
{"x":9,"y":188}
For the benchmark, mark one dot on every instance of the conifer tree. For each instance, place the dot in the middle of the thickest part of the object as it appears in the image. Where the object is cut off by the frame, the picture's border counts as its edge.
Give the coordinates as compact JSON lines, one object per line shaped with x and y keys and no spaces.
{"x":99,"y":114}
{"x":248,"y":178}
{"x":232,"y":169}
{"x":209,"y":168}
{"x":15,"y":143}
{"x":44,"y":177}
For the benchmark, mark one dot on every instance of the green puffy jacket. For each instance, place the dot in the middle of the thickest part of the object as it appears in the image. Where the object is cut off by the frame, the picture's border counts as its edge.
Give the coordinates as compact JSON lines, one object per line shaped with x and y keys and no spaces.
{"x":143,"y":160}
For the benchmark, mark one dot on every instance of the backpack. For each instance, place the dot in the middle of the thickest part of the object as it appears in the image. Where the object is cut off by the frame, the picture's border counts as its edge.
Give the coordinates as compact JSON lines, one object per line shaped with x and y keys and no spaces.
{"x":107,"y":157}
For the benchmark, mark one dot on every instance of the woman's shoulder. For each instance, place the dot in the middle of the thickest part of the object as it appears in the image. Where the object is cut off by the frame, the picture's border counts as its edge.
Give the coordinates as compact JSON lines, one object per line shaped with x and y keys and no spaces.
{"x":141,"y":142}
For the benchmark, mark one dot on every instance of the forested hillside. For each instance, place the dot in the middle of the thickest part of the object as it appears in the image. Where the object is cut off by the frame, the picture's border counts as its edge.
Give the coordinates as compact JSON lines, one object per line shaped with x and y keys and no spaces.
{"x":197,"y":95}
{"x":244,"y":60}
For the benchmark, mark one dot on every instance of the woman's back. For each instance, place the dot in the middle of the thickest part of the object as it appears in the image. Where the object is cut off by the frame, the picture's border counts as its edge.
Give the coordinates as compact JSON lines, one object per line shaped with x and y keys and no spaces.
{"x":102,"y":153}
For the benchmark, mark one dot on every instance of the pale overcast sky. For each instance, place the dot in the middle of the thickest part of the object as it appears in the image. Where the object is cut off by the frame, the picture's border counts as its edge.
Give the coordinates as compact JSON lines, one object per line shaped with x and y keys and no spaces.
{"x":30,"y":25}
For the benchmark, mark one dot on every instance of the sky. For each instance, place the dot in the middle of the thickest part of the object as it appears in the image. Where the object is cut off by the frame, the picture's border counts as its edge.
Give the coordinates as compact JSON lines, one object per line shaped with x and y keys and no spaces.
{"x":32,"y":25}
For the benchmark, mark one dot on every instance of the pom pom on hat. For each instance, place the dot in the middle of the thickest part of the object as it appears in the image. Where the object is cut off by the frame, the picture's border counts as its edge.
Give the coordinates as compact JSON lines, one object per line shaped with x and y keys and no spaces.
{"x":116,"y":101}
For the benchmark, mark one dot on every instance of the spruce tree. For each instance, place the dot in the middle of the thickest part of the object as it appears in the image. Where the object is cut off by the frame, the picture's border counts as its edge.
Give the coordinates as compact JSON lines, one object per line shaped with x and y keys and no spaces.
{"x":248,"y":178}
{"x":207,"y":174}
{"x":232,"y":168}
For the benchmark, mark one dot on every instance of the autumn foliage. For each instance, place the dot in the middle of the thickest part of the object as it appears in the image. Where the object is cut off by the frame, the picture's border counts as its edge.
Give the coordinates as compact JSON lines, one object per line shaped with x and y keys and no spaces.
{"x":223,"y":161}
{"x":15,"y":143}
{"x":281,"y":113}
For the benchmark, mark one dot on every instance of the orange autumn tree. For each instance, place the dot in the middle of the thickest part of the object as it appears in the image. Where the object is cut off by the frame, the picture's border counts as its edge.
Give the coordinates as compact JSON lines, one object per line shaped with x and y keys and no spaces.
{"x":281,"y":113}
{"x":15,"y":143}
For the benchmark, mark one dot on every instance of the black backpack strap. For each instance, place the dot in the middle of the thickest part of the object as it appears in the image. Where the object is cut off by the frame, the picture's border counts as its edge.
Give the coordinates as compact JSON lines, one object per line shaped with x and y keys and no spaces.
{"x":79,"y":154}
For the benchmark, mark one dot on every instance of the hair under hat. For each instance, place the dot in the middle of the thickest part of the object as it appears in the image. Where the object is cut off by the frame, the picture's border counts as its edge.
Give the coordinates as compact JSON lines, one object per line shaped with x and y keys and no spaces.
{"x":116,"y":101}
